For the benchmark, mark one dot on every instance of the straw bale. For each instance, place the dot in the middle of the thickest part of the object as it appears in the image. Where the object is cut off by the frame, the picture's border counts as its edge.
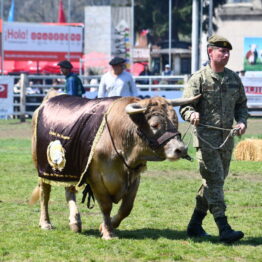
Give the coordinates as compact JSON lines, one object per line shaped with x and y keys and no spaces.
{"x":249,"y":149}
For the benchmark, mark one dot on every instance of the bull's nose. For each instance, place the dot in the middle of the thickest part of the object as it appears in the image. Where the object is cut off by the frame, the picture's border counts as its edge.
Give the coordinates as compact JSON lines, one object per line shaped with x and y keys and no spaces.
{"x":181,"y":151}
{"x":178,"y":151}
{"x":175,"y":149}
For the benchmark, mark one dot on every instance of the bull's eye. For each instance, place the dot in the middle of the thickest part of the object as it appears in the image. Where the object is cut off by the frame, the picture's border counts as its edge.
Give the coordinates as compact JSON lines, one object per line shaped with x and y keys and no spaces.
{"x":155,"y":125}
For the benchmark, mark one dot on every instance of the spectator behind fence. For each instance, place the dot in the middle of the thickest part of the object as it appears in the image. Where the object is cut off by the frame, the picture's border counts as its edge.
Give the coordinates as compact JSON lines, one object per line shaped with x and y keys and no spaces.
{"x":73,"y":85}
{"x":117,"y":82}
{"x":167,"y":71}
{"x":145,"y":72}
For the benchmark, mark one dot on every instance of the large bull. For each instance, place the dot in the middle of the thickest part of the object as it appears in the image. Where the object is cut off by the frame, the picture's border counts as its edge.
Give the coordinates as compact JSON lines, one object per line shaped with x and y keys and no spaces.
{"x":130,"y":133}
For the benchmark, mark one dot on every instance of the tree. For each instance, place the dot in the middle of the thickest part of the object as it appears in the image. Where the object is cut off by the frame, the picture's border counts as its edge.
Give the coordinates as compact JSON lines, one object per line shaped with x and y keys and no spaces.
{"x":154,"y":15}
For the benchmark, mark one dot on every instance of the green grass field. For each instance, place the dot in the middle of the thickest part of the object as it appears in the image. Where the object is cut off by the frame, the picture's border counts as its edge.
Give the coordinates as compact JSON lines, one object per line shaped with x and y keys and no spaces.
{"x":155,"y":230}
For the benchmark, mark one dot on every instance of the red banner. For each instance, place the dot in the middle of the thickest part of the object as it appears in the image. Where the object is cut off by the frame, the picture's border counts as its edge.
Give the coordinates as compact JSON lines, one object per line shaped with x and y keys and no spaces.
{"x":42,"y":56}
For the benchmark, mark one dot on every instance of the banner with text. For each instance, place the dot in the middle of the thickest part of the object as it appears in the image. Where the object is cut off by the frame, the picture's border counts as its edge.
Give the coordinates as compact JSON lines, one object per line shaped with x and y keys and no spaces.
{"x":253,"y":88}
{"x":32,"y":41}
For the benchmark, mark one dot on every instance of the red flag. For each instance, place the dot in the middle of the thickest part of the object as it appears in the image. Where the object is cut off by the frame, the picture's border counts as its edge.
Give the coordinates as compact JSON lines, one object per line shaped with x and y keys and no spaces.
{"x":61,"y":13}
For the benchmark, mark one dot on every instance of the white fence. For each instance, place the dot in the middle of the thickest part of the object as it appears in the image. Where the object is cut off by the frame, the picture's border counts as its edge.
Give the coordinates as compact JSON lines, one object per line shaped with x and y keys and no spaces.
{"x":32,"y":88}
{"x":29,"y":90}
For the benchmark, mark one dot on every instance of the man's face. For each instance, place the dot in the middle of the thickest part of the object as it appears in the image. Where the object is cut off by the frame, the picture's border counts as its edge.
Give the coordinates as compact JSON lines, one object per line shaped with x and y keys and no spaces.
{"x":65,"y":71}
{"x":219,"y":55}
{"x":118,"y":69}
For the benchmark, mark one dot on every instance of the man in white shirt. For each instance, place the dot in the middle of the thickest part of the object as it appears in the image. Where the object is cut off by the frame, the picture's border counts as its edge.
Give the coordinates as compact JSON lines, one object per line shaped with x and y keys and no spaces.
{"x":117,"y":82}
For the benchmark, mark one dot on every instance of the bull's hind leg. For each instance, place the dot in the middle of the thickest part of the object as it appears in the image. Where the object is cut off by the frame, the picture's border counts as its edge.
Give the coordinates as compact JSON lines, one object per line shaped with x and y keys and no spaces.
{"x":45,"y":190}
{"x":126,"y":204}
{"x":75,"y":222}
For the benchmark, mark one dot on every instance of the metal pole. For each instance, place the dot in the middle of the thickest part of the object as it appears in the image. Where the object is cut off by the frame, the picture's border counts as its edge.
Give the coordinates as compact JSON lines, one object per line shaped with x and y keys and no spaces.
{"x":200,"y":33}
{"x":69,"y":28}
{"x":23,"y":85}
{"x":210,"y":18}
{"x":195,"y":27}
{"x":170,"y":29}
{"x":132,"y":42}
{"x":2,"y":38}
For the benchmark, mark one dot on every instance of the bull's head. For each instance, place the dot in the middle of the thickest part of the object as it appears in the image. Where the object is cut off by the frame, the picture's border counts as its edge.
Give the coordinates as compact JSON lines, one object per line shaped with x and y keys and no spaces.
{"x":157,"y":125}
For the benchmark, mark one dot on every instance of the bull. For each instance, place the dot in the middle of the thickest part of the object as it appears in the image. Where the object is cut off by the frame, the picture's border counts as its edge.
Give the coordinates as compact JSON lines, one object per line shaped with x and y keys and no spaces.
{"x":135,"y":131}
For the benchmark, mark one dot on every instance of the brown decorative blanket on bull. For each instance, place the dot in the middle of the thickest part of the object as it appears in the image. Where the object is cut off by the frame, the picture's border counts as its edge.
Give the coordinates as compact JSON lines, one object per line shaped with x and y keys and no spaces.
{"x":67,"y":130}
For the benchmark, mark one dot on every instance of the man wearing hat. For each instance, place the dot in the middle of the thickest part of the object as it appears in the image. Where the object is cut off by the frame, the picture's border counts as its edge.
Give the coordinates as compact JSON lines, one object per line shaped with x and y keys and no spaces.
{"x":117,"y":82}
{"x":73,"y":84}
{"x":167,"y":71}
{"x":223,"y":100}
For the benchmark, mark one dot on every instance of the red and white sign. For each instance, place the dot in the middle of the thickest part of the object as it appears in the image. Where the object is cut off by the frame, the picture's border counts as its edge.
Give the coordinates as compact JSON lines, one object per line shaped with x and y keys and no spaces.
{"x":253,"y":88}
{"x":31,"y":41}
{"x":3,"y":90}
{"x":6,"y":96}
{"x":253,"y":85}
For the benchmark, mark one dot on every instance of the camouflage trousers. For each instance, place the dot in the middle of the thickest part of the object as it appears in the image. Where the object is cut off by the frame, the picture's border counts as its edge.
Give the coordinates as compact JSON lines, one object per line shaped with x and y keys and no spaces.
{"x":214,"y":168}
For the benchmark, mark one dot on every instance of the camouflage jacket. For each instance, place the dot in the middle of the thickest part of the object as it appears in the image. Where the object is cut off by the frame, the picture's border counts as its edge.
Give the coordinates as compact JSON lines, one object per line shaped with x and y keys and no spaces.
{"x":223,"y":100}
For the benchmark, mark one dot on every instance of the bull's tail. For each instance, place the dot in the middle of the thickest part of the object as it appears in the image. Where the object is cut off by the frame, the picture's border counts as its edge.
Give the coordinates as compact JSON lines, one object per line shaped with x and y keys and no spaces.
{"x":35,"y":196}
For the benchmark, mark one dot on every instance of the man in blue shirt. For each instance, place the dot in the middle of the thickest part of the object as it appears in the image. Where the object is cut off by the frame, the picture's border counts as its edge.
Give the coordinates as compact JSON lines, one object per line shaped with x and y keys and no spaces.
{"x":73,"y":85}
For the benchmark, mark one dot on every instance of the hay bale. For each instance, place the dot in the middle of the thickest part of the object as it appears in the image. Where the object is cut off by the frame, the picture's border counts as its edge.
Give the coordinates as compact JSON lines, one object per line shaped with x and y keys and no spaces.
{"x":249,"y":149}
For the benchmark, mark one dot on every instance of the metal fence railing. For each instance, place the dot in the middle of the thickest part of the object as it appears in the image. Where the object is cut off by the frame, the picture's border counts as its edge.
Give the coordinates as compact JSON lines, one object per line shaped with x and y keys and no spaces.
{"x":29,"y":90}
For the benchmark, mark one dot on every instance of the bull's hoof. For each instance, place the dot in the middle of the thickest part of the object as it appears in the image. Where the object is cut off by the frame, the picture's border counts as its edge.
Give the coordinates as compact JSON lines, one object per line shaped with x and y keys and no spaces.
{"x":46,"y":226}
{"x":76,"y":228}
{"x":109,"y":237}
{"x":106,"y":234}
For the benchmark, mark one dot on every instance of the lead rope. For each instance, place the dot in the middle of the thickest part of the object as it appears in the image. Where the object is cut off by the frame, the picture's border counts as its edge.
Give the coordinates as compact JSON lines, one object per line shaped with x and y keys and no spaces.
{"x":190,"y":138}
{"x":232,"y":132}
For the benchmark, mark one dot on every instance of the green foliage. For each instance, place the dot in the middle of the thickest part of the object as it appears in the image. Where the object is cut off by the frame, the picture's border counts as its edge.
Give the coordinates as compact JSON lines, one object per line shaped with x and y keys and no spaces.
{"x":154,"y":15}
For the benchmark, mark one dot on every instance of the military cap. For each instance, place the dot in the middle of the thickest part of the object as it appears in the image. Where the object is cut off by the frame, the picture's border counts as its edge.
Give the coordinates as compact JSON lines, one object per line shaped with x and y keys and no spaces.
{"x":117,"y":60}
{"x":219,"y":41}
{"x":65,"y":64}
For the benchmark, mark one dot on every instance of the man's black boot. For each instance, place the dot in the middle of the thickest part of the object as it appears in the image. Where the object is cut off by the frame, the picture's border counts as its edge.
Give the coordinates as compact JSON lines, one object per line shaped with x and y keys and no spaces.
{"x":194,"y":228}
{"x":226,"y":233}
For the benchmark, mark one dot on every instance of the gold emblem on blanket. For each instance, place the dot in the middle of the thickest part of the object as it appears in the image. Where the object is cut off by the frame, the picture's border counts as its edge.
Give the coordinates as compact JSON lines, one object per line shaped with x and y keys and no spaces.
{"x":56,"y":155}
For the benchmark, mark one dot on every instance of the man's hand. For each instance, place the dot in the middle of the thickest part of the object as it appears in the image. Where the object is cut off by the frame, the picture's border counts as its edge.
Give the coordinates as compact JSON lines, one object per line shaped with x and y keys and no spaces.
{"x":194,"y":118}
{"x":241,"y":128}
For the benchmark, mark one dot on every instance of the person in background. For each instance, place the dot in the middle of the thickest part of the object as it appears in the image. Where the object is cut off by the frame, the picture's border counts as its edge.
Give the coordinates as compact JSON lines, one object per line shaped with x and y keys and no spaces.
{"x":167,"y":71}
{"x":145,"y":72}
{"x":222,"y":101}
{"x":73,"y":85}
{"x":117,"y":82}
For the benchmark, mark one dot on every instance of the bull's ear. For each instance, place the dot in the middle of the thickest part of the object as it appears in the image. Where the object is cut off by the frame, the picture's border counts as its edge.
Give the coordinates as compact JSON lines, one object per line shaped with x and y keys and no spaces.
{"x":135,"y":108}
{"x":183,"y":101}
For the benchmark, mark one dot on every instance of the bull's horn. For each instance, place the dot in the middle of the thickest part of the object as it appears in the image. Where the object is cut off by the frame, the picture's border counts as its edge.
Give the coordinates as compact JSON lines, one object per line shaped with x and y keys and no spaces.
{"x":183,"y":101}
{"x":135,"y":108}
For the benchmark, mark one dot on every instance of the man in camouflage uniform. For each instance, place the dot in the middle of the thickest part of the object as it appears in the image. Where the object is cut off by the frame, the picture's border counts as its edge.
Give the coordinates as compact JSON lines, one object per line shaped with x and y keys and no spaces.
{"x":223,"y":100}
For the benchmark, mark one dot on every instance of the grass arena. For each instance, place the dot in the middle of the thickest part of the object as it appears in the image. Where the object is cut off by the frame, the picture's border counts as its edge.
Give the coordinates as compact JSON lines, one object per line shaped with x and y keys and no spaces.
{"x":154,"y":231}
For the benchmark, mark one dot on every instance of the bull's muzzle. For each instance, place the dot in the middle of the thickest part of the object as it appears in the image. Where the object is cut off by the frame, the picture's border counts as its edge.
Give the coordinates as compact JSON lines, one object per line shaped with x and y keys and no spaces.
{"x":175,"y":149}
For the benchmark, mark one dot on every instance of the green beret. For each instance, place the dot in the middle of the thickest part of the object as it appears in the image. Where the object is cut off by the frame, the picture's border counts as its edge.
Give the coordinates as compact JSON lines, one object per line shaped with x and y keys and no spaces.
{"x":219,"y":41}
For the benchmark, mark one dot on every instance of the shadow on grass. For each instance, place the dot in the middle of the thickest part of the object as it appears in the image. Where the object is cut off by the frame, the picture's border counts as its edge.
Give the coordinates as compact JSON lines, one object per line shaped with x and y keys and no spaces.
{"x":151,"y":233}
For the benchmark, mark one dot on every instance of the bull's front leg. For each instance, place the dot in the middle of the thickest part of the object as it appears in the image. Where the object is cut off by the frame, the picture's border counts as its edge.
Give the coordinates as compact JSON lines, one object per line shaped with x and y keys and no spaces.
{"x":105,"y":204}
{"x":126,"y":204}
{"x":45,"y":190}
{"x":75,"y":222}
